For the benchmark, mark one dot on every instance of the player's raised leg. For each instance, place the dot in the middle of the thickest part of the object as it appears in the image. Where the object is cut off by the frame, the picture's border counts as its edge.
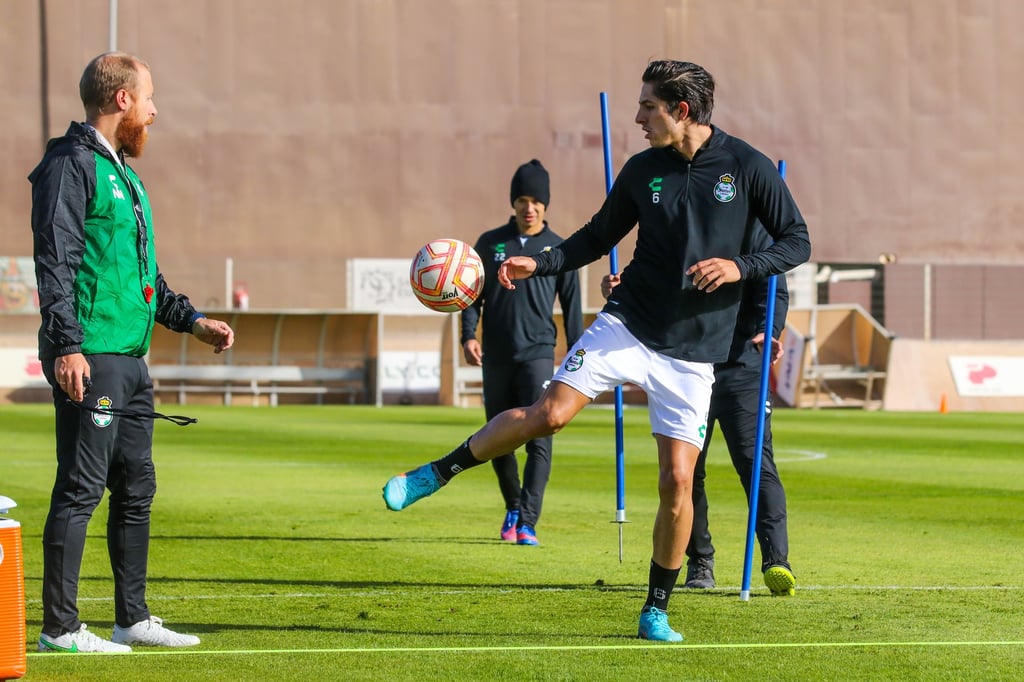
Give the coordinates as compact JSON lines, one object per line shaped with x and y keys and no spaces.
{"x":506,"y":432}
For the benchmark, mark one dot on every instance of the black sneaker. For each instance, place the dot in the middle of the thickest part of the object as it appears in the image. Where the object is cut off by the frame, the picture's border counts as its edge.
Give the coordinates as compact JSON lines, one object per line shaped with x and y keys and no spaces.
{"x":700,"y":573}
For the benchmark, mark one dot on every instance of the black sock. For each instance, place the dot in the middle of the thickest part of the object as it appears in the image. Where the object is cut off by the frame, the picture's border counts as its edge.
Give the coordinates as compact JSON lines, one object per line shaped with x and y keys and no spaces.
{"x":456,"y":461}
{"x":660,"y":585}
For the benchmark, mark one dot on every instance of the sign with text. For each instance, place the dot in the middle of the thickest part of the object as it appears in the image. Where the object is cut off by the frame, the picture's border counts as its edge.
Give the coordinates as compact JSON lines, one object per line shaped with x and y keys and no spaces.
{"x":381,"y":285}
{"x":20,"y":368}
{"x":18,"y":285}
{"x":988,"y":375}
{"x":788,"y":369}
{"x":410,"y":371}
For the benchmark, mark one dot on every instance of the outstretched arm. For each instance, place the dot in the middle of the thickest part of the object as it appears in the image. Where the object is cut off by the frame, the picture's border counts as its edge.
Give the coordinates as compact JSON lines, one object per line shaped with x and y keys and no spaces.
{"x":214,"y":332}
{"x":516,"y":267}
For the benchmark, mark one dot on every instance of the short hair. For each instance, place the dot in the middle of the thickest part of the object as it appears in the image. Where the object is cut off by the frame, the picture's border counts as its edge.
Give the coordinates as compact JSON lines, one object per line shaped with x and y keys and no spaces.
{"x":105,"y":75}
{"x":676,"y":82}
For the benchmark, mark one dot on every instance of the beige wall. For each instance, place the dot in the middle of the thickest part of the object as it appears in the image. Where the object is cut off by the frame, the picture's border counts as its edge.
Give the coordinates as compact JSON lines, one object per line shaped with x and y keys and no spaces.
{"x":921,"y":379}
{"x":293,"y":136}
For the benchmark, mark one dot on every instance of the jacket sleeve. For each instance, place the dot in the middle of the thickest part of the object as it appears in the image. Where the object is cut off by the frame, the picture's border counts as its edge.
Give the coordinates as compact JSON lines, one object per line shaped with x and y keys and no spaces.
{"x":614,"y":220}
{"x":761,"y":242}
{"x":778,"y":212}
{"x":470,"y":317}
{"x":60,"y":193}
{"x":173,"y":311}
{"x":568,"y":286}
{"x":469,"y":320}
{"x":781,"y":305}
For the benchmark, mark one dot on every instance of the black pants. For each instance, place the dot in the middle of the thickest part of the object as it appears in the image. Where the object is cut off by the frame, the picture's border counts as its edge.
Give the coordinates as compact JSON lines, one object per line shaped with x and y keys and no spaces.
{"x":94,"y":452}
{"x":734,"y":406}
{"x":518,"y":385}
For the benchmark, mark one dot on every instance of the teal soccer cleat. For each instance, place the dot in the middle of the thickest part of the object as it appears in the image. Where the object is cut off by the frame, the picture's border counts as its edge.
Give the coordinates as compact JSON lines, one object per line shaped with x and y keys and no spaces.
{"x":404,"y":489}
{"x":654,"y":626}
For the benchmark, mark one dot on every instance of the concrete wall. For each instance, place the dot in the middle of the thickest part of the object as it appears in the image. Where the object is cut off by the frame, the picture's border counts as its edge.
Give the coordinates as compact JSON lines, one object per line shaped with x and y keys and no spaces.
{"x":293,"y":136}
{"x":921,"y":376}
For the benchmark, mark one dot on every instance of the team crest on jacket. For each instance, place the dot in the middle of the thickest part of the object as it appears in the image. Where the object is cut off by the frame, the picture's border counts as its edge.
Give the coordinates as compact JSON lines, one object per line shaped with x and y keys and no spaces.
{"x":575,"y":361}
{"x":725,"y":190}
{"x":102,"y":417}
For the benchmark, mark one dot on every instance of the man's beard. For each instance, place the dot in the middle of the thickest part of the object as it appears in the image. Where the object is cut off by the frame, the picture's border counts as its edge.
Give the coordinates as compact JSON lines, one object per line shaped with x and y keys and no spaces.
{"x":132,"y":134}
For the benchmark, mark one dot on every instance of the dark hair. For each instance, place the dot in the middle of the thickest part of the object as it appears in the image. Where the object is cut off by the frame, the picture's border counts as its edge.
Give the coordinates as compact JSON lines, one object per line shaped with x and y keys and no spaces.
{"x":105,"y":75}
{"x":676,"y":82}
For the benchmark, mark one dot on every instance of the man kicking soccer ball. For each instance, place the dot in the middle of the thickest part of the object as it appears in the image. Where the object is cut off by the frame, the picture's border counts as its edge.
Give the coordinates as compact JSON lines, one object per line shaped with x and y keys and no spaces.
{"x":697,"y":195}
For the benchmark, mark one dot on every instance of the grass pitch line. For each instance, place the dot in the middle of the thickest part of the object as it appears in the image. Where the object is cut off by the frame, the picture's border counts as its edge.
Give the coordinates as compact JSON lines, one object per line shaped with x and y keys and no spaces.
{"x":653,"y":646}
{"x":343,"y":593}
{"x":801,"y":455}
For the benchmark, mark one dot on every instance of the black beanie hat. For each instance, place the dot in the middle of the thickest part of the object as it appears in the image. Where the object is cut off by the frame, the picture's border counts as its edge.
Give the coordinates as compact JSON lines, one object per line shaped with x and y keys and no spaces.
{"x":531,"y":180}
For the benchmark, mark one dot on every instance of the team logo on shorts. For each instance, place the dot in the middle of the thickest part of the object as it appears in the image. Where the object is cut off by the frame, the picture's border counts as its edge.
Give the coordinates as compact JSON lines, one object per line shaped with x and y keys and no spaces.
{"x":575,"y":361}
{"x":725,"y":190}
{"x":102,"y":416}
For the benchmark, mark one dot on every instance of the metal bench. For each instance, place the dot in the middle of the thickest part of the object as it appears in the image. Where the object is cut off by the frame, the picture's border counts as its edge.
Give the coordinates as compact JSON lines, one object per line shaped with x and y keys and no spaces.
{"x":819,"y":375}
{"x":258,"y":380}
{"x":469,"y":380}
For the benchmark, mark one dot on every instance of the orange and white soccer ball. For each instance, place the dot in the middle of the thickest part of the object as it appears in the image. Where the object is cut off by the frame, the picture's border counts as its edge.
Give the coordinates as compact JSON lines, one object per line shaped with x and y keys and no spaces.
{"x":447,"y":275}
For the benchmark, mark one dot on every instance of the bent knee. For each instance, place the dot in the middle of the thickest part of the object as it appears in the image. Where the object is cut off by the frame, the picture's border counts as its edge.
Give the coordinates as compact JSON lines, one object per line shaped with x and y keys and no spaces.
{"x":549,"y":419}
{"x":675,"y":482}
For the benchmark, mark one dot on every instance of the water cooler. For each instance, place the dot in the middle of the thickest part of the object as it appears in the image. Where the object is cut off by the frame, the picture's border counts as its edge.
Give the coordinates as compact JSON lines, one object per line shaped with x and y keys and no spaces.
{"x":12,"y":596}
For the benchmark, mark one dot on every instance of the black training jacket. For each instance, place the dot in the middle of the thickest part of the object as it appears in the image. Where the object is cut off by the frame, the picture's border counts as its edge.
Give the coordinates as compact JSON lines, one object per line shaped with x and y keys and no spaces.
{"x":688,"y":211}
{"x":518,"y":325}
{"x":751,"y":317}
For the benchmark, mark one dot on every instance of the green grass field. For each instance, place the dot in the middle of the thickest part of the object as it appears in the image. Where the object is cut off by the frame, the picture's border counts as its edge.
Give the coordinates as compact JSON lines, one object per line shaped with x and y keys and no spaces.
{"x":272,"y":543}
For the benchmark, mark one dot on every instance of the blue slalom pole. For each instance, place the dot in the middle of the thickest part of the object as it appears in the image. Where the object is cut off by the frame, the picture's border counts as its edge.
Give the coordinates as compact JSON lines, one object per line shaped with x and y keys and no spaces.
{"x":613,"y":260}
{"x":762,"y":417}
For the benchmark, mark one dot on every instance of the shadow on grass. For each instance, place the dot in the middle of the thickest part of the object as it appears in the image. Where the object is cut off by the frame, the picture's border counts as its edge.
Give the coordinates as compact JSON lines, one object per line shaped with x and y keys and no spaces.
{"x":103,"y":628}
{"x":446,"y":540}
{"x":272,"y":583}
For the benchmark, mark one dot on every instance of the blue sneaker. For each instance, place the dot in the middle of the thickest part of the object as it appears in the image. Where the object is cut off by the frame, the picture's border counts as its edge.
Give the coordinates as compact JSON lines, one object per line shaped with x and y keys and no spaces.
{"x":654,"y":626}
{"x":508,"y":529}
{"x":404,"y":489}
{"x":526,"y":535}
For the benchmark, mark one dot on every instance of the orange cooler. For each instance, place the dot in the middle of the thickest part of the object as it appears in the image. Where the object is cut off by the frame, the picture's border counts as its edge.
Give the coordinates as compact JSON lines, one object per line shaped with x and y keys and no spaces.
{"x":12,"y":601}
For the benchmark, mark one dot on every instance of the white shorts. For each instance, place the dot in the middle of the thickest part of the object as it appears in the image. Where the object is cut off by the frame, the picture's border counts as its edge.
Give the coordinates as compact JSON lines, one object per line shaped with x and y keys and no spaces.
{"x":678,"y":392}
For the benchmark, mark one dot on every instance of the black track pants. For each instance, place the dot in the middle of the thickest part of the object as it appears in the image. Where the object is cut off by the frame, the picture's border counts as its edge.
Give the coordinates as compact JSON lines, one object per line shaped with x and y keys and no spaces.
{"x":519,"y":385}
{"x":97,"y":452}
{"x":734,"y":406}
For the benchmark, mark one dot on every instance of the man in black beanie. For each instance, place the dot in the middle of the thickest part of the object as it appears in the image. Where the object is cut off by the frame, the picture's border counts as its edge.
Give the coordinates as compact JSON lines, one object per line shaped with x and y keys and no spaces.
{"x":531,"y":180}
{"x":520,"y":333}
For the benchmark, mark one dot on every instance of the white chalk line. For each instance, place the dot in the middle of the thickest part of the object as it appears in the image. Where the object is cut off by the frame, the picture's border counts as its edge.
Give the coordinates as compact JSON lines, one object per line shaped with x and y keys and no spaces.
{"x":803,"y":455}
{"x":662,"y":648}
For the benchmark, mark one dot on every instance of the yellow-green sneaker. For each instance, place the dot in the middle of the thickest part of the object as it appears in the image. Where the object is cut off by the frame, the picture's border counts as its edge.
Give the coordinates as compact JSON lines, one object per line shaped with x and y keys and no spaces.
{"x":780,"y":581}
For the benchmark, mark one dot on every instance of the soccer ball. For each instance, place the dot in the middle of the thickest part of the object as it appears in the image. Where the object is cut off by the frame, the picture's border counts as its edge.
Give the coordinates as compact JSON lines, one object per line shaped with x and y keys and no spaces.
{"x":447,"y":275}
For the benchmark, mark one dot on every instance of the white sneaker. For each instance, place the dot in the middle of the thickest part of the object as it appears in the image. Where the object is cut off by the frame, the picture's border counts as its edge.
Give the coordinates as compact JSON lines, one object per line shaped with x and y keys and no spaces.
{"x":152,"y":632}
{"x":79,"y":641}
